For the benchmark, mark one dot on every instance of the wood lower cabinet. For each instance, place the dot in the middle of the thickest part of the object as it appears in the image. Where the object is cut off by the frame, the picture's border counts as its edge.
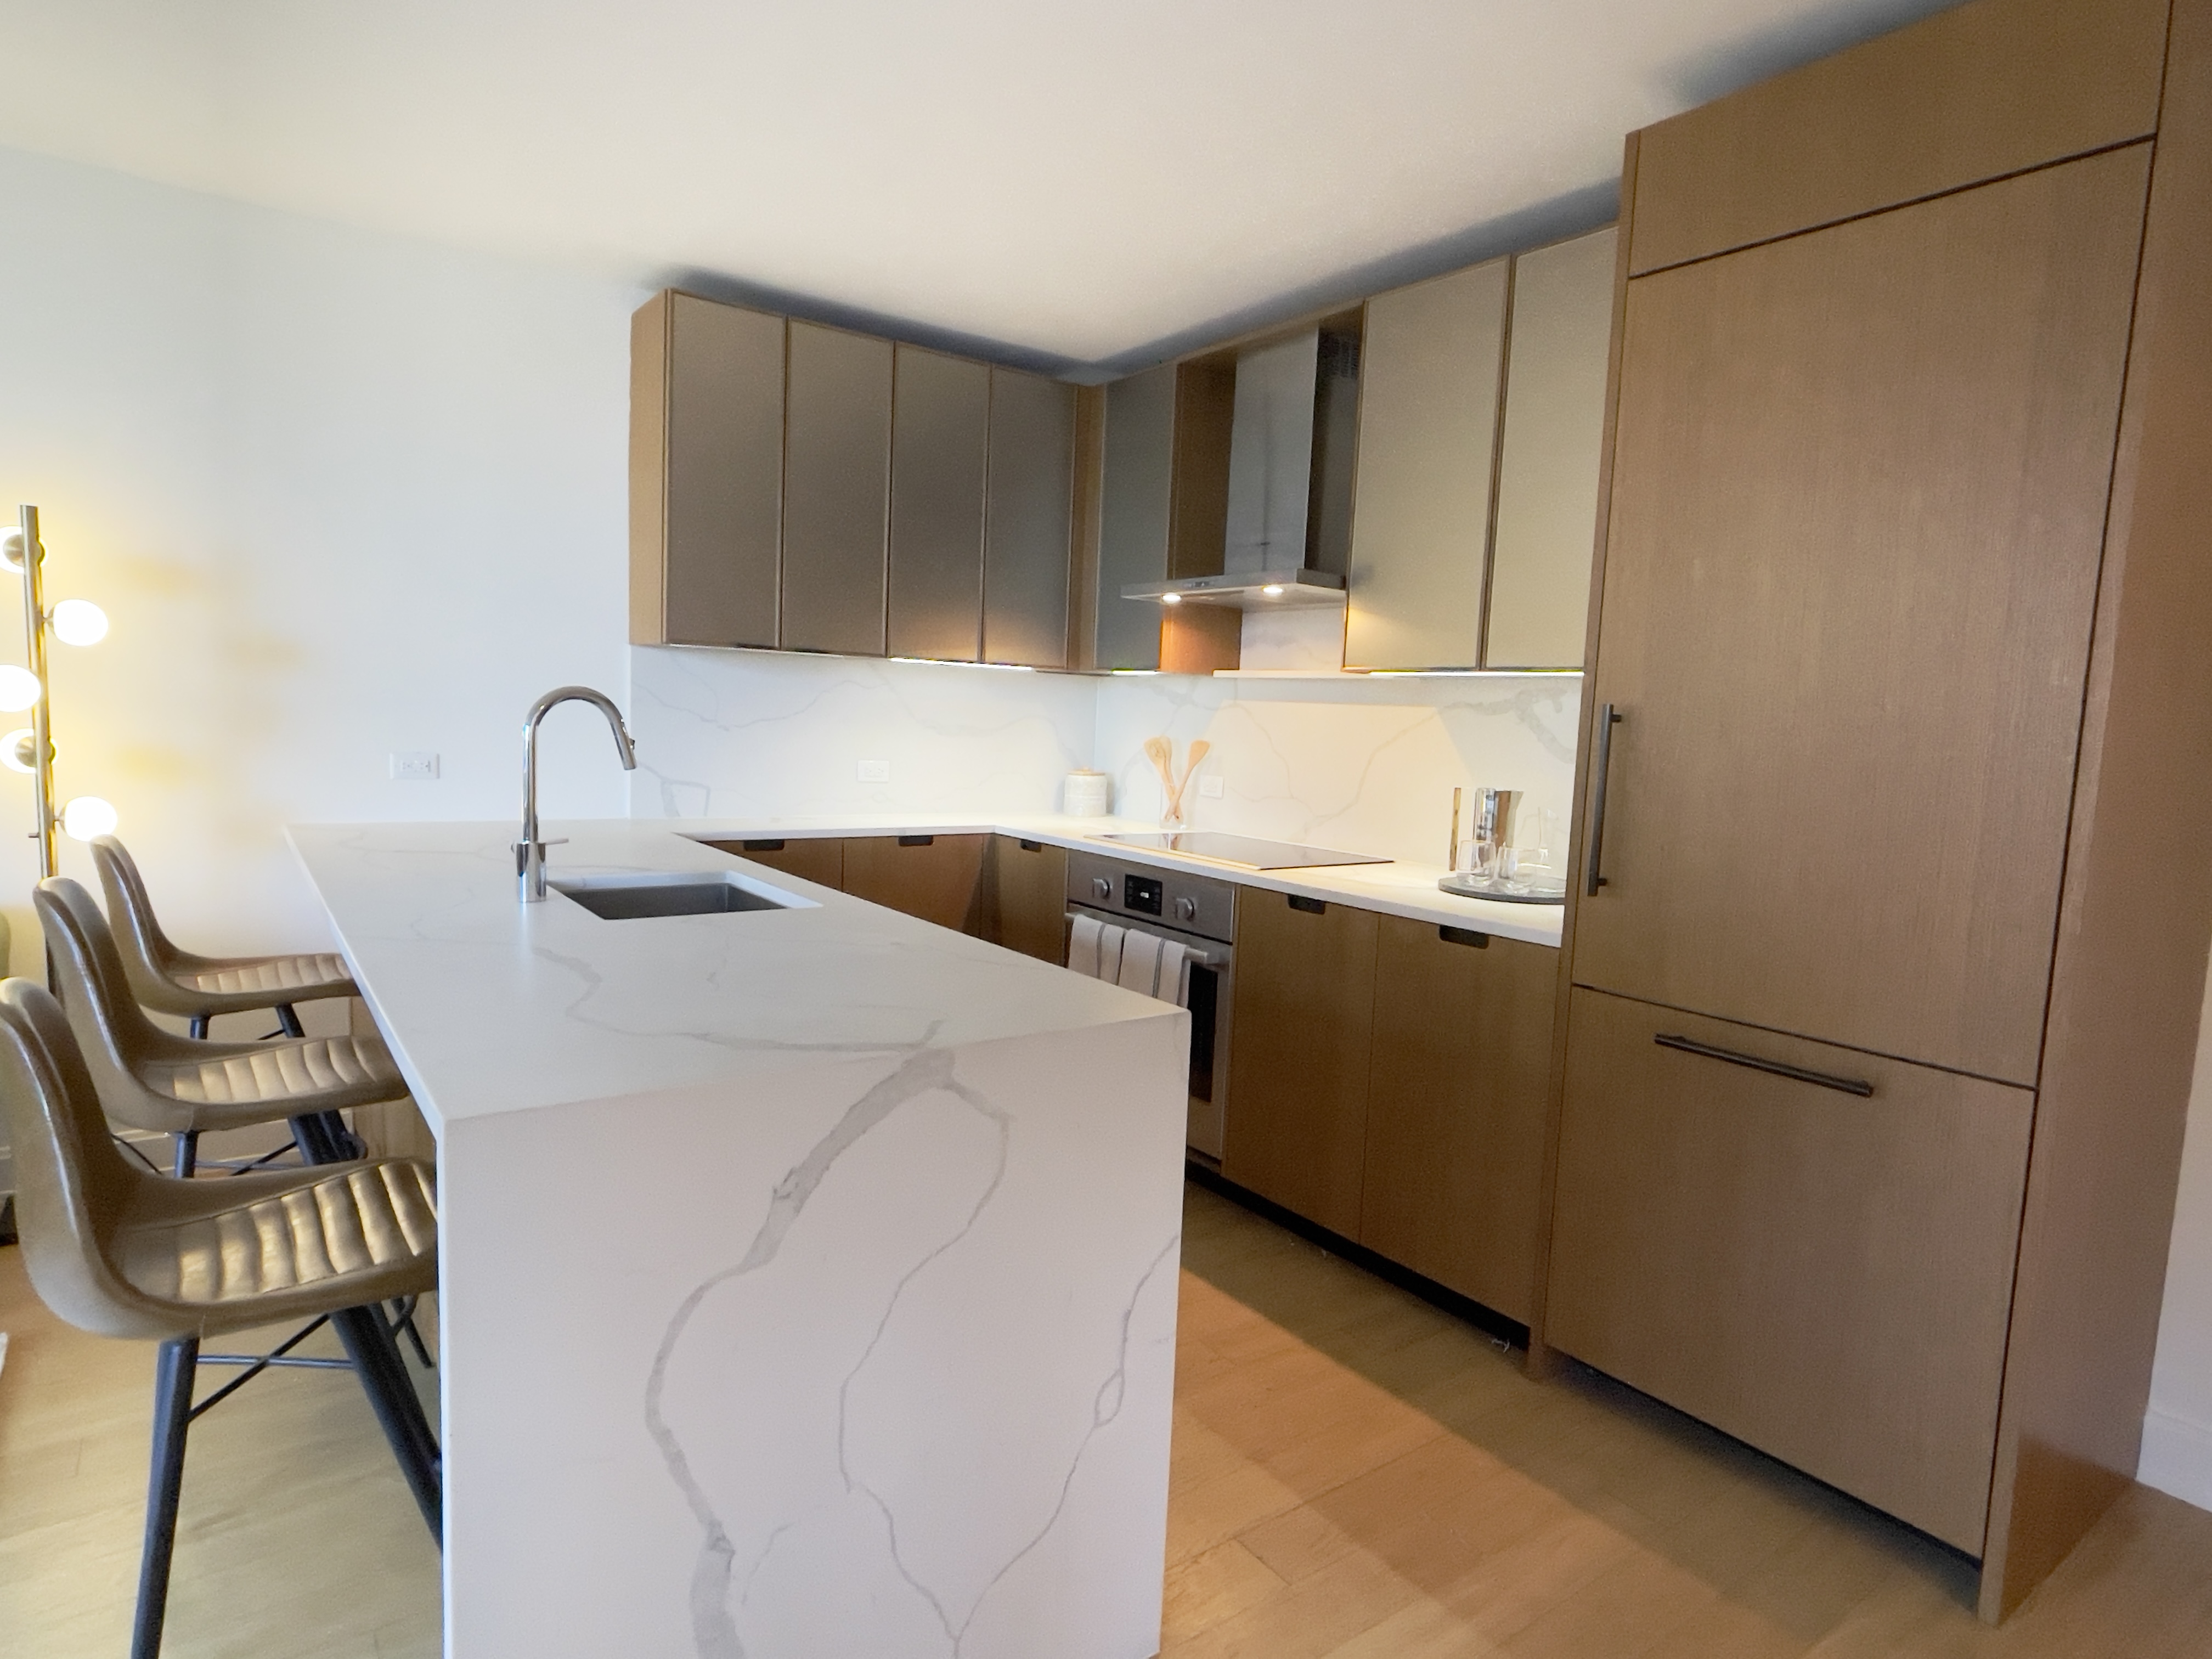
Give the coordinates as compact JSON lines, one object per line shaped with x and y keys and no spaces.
{"x":1454,"y":1150}
{"x":1025,"y":907}
{"x":820,"y":859}
{"x":1300,"y":1036}
{"x":1824,"y":1275}
{"x":935,"y":878}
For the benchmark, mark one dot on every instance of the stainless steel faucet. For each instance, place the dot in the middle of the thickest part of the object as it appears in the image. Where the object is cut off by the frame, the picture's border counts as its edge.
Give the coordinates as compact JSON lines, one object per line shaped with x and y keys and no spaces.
{"x":530,"y":851}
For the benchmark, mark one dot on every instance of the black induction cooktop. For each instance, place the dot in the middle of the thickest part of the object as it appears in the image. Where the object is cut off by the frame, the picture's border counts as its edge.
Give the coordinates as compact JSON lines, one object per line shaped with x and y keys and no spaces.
{"x":1246,"y":852}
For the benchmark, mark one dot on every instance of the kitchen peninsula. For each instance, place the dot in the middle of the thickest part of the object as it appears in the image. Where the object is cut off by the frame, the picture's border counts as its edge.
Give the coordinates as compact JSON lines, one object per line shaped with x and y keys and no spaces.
{"x":808,"y":1274}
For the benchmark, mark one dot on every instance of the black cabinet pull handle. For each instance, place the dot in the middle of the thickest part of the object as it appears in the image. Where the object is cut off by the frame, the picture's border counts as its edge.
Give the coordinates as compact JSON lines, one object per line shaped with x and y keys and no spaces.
{"x":1032,"y":847}
{"x":1607,"y":718}
{"x":1845,"y":1085}
{"x":763,"y":846}
{"x":1312,"y":907}
{"x":917,"y":840}
{"x":1463,"y":936}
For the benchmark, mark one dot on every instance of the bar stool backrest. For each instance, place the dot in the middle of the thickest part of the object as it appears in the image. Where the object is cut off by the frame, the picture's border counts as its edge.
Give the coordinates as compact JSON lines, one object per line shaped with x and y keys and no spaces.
{"x":146,"y":951}
{"x":116,"y":1036}
{"x":72,"y":1186}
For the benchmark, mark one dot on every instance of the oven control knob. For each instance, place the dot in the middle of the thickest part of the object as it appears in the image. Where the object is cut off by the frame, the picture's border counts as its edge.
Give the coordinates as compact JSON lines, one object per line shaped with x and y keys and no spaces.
{"x":1186,"y":909}
{"x":1100,"y":887}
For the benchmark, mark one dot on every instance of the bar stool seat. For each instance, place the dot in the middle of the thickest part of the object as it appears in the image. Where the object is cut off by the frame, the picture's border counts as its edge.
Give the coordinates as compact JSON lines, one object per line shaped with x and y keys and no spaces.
{"x":122,"y":1251}
{"x":271,"y":1245}
{"x":152,"y":1079}
{"x":170,"y":980}
{"x":267,"y":979}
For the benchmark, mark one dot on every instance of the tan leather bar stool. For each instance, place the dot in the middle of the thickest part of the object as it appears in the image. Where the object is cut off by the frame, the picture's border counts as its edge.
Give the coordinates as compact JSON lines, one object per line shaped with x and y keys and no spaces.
{"x":173,"y":980}
{"x":151,"y":1078}
{"x":122,"y":1251}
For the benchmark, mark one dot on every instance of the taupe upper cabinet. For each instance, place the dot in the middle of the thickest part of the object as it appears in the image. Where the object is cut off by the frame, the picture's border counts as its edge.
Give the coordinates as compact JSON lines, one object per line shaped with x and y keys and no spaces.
{"x":705,"y":472}
{"x":1135,"y":514}
{"x":1029,"y":519}
{"x":1548,"y":454}
{"x":837,"y":454}
{"x":940,"y":408}
{"x":1429,"y":374}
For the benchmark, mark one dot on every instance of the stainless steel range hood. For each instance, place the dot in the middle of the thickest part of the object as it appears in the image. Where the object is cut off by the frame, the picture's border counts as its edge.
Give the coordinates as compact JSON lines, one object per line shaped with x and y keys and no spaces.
{"x":1290,"y":473}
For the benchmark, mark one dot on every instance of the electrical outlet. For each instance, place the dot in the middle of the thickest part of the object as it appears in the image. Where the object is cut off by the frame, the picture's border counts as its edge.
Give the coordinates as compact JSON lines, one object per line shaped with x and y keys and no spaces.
{"x":875,"y":771}
{"x":1210,"y":788}
{"x":415,"y":765}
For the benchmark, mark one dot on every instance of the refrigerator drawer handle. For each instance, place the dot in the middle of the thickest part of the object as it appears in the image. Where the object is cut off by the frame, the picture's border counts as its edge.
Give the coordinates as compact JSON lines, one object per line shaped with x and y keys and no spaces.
{"x":1847,"y":1085}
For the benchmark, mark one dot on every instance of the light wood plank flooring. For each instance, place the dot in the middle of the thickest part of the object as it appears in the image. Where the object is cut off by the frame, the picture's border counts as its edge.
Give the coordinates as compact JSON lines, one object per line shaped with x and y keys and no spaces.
{"x":296,"y":1535}
{"x":1356,"y":1475}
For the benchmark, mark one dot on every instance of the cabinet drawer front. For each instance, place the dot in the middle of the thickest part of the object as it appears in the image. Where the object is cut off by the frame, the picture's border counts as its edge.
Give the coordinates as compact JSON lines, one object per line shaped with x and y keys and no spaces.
{"x":1826,"y":1276}
{"x":932,"y":877}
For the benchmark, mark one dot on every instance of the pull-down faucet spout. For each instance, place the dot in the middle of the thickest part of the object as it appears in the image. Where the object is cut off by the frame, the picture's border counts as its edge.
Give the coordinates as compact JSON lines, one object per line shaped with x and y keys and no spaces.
{"x":530,"y":851}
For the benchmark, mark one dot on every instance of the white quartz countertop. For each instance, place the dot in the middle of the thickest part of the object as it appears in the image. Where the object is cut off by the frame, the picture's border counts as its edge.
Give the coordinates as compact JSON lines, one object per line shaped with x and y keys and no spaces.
{"x":1395,"y":889}
{"x":493,"y":1007}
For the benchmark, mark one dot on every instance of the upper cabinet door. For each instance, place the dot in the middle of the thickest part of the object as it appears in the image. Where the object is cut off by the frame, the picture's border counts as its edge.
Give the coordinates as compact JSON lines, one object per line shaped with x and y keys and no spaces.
{"x":837,"y":436}
{"x":705,"y":472}
{"x":1859,"y":490}
{"x":1026,"y":543}
{"x":1135,"y":514}
{"x":939,"y":409}
{"x":1548,"y":455}
{"x":1429,"y":374}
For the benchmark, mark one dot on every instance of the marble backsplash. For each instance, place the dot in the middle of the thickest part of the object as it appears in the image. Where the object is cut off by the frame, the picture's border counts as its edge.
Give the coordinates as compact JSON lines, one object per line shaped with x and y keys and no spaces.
{"x":736,"y":733}
{"x":1362,"y":764}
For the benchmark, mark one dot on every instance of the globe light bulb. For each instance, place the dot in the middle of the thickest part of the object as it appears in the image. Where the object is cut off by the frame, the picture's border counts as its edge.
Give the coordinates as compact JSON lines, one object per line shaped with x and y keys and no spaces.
{"x":19,"y":750}
{"x":19,"y":688}
{"x":79,"y":621}
{"x":11,"y":547}
{"x":88,"y":816}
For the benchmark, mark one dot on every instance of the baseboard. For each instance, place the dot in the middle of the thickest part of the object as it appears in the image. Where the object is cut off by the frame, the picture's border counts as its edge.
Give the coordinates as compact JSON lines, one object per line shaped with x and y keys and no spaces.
{"x":2177,"y":1457}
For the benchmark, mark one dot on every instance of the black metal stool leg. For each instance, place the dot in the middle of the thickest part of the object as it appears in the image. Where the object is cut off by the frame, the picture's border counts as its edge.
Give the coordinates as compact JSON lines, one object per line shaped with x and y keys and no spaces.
{"x":200,"y":1028}
{"x":187,"y":1154}
{"x":172,"y":1408}
{"x":392,"y":1396}
{"x":288,"y":1021}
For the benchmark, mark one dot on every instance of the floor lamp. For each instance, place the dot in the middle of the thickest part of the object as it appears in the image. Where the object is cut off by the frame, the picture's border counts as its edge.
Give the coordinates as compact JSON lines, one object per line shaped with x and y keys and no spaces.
{"x":73,"y":621}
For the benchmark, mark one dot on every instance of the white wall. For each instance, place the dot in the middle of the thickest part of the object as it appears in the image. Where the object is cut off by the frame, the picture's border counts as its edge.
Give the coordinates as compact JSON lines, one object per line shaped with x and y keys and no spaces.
{"x":341,"y":494}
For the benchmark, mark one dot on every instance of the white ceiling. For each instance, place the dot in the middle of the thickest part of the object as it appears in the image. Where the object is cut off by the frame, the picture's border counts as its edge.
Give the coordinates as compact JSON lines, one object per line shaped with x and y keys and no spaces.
{"x":1078,"y":181}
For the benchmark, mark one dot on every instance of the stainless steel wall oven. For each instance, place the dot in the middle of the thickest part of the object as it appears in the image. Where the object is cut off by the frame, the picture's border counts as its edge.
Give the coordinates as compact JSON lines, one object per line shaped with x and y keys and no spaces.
{"x":1199,"y":914}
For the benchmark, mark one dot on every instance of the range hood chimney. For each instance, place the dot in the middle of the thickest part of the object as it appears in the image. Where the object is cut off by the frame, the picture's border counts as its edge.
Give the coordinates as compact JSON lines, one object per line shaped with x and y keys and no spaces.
{"x":1289,"y":522}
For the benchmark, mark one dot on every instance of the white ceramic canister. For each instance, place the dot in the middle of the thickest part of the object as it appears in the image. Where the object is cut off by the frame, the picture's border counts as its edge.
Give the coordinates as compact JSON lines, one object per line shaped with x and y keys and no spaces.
{"x":1087,"y":794}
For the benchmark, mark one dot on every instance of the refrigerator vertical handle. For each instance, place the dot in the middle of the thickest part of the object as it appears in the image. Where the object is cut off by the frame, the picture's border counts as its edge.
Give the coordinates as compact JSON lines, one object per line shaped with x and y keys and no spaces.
{"x":1607,"y":718}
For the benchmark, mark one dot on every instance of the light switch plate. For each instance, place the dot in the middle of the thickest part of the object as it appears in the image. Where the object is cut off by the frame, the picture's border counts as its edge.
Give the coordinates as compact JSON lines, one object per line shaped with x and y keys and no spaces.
{"x":414,"y":765}
{"x":1210,"y":788}
{"x":875,"y":771}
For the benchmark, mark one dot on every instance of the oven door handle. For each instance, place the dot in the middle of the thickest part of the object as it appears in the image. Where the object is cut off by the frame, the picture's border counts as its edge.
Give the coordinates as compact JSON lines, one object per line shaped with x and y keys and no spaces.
{"x":1196,"y":957}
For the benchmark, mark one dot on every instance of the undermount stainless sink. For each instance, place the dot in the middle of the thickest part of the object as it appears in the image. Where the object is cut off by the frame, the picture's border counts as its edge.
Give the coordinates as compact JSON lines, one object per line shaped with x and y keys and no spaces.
{"x":675,"y":893}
